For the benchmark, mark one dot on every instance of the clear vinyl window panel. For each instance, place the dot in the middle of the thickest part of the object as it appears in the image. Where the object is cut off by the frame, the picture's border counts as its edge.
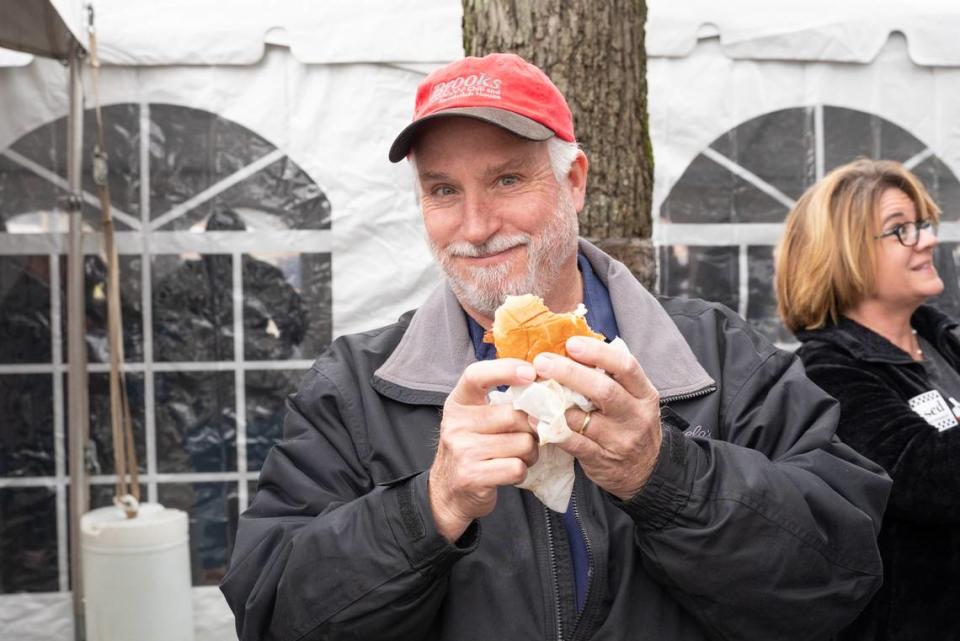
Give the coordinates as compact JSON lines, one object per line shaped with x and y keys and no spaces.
{"x":225,"y":284}
{"x":724,"y":215}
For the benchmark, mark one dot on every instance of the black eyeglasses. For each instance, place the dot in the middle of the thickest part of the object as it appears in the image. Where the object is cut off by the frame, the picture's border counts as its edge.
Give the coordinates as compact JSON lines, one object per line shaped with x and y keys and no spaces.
{"x":909,"y":233}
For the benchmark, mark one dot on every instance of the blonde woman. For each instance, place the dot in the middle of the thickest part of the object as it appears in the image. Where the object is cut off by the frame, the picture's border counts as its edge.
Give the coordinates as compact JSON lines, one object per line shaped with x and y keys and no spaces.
{"x":854,"y":269}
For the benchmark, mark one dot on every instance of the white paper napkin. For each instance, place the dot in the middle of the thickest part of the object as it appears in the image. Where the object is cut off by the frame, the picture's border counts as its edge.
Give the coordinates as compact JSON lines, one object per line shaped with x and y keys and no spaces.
{"x":551,"y":477}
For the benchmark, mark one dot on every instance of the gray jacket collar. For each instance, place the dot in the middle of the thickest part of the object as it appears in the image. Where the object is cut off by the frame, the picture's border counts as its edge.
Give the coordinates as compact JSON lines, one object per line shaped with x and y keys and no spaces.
{"x":436,"y":347}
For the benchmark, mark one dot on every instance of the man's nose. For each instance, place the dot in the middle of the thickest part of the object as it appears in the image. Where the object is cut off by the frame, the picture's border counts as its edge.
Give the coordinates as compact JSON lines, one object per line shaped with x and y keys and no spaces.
{"x":480,"y":220}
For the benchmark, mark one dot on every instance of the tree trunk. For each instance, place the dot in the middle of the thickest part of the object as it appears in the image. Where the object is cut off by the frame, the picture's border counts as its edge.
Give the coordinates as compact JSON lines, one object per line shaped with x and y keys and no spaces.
{"x":593,"y":50}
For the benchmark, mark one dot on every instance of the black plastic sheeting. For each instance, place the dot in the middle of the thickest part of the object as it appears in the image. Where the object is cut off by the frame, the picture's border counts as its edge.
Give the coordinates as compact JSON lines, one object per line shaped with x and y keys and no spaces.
{"x":28,"y":540}
{"x":705,"y":272}
{"x":193,"y":308}
{"x":213,"y":524}
{"x":196,"y":422}
{"x":779,"y":147}
{"x":285,"y":314}
{"x":761,"y":303}
{"x":26,"y":417}
{"x":189,"y":151}
{"x":713,"y":273}
{"x":265,"y":409}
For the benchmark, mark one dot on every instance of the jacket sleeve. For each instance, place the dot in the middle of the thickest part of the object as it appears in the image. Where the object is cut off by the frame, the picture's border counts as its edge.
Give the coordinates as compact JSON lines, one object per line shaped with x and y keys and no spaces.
{"x":322,"y":552}
{"x":878,"y":423}
{"x":769,"y":533}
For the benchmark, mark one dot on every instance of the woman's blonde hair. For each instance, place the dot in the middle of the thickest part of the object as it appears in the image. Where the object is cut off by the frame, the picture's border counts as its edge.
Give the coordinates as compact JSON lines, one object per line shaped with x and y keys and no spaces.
{"x":825,"y":260}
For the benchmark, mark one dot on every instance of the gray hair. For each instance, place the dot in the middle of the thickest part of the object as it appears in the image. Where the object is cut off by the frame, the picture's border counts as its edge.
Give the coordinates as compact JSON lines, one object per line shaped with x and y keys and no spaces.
{"x":562,"y":154}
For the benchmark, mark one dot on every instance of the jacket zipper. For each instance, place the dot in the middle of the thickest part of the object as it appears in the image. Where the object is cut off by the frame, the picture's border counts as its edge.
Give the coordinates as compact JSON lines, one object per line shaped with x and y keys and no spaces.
{"x":586,"y":540}
{"x":685,"y":397}
{"x":556,"y":577}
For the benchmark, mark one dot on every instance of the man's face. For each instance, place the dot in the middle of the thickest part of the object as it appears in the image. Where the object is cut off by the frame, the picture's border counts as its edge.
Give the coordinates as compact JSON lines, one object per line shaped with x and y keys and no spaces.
{"x":497,"y":220}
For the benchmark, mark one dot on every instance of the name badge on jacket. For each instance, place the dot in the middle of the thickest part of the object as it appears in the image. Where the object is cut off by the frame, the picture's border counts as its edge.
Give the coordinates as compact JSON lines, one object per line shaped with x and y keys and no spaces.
{"x":934,"y":410}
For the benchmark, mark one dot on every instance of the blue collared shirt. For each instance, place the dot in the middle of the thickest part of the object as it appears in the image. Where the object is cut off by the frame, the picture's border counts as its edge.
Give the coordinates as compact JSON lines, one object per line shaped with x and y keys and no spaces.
{"x":600,"y":317}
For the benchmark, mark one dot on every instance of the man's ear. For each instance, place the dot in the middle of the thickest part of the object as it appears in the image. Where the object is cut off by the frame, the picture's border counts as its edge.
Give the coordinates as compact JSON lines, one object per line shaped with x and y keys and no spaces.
{"x":577,"y":178}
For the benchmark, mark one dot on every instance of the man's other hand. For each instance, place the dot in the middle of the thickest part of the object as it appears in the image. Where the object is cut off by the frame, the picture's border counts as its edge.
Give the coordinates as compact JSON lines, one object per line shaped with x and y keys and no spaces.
{"x":481,"y":446}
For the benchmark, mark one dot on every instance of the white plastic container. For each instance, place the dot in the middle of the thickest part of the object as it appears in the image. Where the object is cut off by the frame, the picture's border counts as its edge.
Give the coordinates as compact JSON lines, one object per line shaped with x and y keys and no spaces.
{"x":136,"y":575}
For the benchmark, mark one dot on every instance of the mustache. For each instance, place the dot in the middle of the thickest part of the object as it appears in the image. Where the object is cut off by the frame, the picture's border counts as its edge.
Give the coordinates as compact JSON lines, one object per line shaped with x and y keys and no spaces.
{"x":493,"y":246}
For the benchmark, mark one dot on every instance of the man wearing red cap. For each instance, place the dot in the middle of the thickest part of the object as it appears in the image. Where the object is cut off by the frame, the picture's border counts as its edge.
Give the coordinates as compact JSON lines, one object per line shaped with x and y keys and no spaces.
{"x":712,"y":498}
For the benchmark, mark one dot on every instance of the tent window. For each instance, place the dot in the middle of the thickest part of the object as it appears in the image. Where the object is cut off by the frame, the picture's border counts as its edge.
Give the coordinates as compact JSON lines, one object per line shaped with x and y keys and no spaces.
{"x":226,"y":278}
{"x":724,"y":215}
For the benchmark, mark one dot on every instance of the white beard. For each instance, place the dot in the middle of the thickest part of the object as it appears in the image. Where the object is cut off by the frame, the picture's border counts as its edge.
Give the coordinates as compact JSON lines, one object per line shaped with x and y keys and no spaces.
{"x":485,"y":288}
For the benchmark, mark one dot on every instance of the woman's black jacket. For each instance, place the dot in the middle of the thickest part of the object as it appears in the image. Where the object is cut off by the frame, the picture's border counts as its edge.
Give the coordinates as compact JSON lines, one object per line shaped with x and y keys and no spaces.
{"x":920,"y":534}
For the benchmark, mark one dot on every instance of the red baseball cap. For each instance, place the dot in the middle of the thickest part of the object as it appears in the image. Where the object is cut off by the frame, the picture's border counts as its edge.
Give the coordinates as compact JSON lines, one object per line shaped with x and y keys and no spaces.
{"x":501,"y":88}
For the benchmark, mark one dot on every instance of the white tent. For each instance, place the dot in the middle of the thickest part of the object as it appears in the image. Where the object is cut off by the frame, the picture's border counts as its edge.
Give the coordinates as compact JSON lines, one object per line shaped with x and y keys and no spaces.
{"x":284,"y":112}
{"x":54,"y":29}
{"x":329,"y":85}
{"x":750,"y":103}
{"x":294,"y":106}
{"x":48,"y":28}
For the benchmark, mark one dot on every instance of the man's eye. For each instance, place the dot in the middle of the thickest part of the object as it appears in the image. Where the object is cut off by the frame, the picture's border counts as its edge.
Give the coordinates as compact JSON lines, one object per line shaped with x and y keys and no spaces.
{"x":443,"y":190}
{"x":508,"y":181}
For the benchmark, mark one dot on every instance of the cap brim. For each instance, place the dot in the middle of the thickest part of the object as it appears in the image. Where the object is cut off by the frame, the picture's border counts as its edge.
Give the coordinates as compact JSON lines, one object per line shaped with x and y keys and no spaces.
{"x":512,"y":122}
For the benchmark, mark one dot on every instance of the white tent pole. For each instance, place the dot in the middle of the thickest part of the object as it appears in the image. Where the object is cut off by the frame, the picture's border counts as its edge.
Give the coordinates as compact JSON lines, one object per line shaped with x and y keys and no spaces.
{"x":78,"y":408}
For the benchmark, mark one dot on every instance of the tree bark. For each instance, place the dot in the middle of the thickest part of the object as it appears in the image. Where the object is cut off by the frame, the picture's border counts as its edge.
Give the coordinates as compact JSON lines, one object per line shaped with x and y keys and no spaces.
{"x":593,"y":50}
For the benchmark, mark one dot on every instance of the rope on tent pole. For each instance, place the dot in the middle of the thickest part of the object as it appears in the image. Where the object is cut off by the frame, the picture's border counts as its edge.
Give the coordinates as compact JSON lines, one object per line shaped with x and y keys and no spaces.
{"x":127,"y":495}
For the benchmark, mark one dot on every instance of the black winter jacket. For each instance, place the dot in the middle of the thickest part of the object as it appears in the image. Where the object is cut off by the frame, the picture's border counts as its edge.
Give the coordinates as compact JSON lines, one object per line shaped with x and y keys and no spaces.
{"x":920,"y":537}
{"x":757,"y":523}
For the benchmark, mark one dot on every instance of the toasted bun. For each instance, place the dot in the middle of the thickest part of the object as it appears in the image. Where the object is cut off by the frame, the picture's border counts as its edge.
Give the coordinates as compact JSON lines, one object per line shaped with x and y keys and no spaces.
{"x":523,"y":327}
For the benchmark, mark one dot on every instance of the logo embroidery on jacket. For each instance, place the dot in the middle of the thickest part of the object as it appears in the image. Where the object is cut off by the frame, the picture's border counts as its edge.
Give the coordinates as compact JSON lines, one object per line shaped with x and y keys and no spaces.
{"x":934,"y":410}
{"x":697,"y":430}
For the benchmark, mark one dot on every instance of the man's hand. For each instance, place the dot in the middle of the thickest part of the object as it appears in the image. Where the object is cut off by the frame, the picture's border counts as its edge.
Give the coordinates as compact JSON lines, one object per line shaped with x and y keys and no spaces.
{"x":619,"y":449}
{"x":481,"y":446}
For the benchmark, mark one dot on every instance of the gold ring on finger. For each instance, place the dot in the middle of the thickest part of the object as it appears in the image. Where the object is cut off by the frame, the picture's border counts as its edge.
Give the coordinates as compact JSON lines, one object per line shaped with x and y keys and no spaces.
{"x":586,"y":422}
